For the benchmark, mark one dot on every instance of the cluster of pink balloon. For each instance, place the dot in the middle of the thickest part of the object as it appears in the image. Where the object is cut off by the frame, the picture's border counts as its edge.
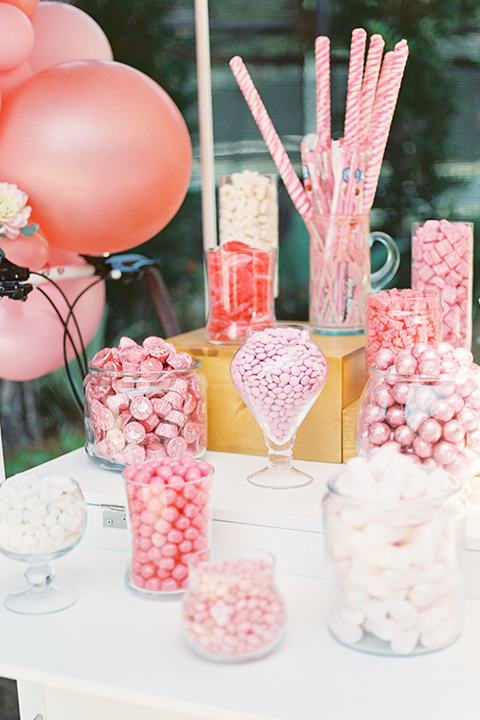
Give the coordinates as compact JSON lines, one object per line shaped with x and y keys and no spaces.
{"x":101,"y":149}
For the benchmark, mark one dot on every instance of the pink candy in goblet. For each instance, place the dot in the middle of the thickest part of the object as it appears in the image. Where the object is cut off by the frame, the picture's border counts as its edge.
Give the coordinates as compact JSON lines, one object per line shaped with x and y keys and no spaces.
{"x":279,"y":372}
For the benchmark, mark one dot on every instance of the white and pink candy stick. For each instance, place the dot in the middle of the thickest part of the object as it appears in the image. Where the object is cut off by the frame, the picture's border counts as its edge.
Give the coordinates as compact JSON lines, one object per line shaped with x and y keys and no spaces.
{"x":369,"y":85}
{"x":354,"y":87}
{"x":323,"y":101}
{"x":285,"y":168}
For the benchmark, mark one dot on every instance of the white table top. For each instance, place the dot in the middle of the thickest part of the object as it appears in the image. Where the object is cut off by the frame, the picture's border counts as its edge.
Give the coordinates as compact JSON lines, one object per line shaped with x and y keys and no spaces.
{"x":115,"y":644}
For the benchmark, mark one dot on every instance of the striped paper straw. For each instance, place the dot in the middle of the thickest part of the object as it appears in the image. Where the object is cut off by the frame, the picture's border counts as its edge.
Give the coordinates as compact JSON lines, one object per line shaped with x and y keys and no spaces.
{"x":370,"y":79}
{"x":384,"y":122}
{"x":323,"y":101}
{"x":277,"y":151}
{"x":354,"y":86}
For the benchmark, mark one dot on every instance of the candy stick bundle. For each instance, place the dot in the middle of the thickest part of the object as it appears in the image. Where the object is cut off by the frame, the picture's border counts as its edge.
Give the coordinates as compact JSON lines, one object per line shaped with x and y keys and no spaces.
{"x":340,"y":176}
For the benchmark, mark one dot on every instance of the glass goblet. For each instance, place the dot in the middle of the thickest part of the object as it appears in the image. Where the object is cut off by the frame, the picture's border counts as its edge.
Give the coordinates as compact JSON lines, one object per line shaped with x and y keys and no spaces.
{"x":41,"y":519}
{"x":279,"y":372}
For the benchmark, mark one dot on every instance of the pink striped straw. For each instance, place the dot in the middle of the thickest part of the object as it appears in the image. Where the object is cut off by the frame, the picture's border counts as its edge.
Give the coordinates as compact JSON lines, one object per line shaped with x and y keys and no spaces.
{"x":354,"y":86}
{"x":384,"y":122}
{"x":277,"y":151}
{"x":323,"y":101}
{"x":370,"y":78}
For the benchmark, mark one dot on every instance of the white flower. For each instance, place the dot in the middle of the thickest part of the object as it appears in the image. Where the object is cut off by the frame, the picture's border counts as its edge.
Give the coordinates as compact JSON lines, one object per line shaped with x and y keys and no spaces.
{"x":14,"y":211}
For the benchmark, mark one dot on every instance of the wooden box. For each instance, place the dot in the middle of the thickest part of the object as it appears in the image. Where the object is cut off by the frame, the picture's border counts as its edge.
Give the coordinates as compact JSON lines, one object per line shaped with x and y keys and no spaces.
{"x":232,"y":427}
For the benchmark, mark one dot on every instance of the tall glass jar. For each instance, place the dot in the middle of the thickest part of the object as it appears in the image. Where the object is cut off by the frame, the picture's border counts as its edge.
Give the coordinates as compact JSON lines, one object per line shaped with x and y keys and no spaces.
{"x":393,"y":570}
{"x":132,"y":417}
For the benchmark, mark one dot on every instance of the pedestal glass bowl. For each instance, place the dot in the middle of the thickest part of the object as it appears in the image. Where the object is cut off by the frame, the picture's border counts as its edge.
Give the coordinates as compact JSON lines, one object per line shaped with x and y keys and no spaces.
{"x":279,"y":372}
{"x":41,"y":519}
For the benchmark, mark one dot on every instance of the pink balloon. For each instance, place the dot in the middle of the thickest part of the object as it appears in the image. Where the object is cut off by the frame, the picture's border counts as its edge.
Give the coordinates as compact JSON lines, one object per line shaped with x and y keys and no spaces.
{"x":27,"y":6}
{"x":11,"y":79}
{"x":16,"y":36}
{"x":32,"y":334}
{"x":63,"y":33}
{"x":108,"y":158}
{"x":31,"y":252}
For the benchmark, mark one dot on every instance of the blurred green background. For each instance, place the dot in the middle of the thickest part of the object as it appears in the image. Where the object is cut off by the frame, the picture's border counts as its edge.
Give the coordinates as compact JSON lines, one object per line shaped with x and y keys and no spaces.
{"x":431,"y":168}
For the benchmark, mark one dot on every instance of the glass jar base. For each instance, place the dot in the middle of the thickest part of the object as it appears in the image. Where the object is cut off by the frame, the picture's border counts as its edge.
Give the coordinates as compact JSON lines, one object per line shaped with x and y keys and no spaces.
{"x":152,"y":594}
{"x":374,"y":646}
{"x":34,"y":602}
{"x":231,"y":659}
{"x":280,"y":478}
{"x":338,"y":330}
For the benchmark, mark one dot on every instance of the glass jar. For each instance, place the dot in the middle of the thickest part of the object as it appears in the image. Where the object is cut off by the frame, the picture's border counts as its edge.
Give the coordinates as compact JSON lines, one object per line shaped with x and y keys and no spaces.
{"x":279,"y":372}
{"x":442,"y":261}
{"x":233,"y":610}
{"x":393,"y":570}
{"x":397,"y":319}
{"x":169,"y":519}
{"x":132,"y":417}
{"x":435,"y":419}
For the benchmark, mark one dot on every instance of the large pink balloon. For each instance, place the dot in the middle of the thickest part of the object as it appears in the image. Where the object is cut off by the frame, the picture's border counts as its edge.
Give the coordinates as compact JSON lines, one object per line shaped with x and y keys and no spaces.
{"x":102,"y":151}
{"x":11,"y":79}
{"x":27,"y":6}
{"x":63,"y":33}
{"x":32,"y":335}
{"x":16,"y":36}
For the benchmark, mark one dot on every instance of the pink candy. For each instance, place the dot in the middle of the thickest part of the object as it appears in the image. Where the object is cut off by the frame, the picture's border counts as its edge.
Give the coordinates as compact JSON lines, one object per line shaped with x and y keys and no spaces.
{"x":442,"y":261}
{"x":169,"y":518}
{"x":431,"y":416}
{"x":397,"y":320}
{"x":279,"y":372}
{"x":233,"y":610}
{"x":138,"y":401}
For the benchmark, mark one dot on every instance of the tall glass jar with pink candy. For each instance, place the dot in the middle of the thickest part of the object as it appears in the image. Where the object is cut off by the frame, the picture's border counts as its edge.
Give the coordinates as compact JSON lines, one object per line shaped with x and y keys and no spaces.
{"x":233,"y":610}
{"x":169,"y":520}
{"x":394,"y":541}
{"x":425,"y":403}
{"x":144,"y":410}
{"x":279,"y":372}
{"x":442,"y":261}
{"x":241,"y":271}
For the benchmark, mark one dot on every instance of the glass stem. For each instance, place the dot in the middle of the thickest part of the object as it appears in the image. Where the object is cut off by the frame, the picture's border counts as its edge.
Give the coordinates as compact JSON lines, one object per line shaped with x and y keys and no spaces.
{"x":39,"y":576}
{"x":279,"y":455}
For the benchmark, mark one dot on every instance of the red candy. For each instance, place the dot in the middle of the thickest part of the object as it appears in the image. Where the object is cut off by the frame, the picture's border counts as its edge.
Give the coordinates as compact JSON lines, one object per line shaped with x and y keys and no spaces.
{"x":397,"y":320}
{"x":145,"y":396}
{"x":442,"y":260}
{"x":161,"y":508}
{"x":240,"y":284}
{"x":434,"y":418}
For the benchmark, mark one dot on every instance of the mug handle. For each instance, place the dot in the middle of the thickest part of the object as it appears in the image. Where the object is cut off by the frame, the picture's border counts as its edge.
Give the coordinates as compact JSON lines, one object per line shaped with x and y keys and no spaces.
{"x":382,"y":276}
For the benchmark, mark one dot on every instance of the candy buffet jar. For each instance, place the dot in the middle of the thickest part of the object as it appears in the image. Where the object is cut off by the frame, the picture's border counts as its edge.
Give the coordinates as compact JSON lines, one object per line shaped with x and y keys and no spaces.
{"x":132,"y":417}
{"x":435,"y":419}
{"x":393,"y":569}
{"x":233,"y":610}
{"x":169,"y":519}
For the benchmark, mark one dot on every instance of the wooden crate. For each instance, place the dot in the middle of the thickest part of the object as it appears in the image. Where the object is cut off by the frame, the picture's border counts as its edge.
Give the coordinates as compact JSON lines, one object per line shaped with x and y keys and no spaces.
{"x":231,"y":426}
{"x":349,"y":415}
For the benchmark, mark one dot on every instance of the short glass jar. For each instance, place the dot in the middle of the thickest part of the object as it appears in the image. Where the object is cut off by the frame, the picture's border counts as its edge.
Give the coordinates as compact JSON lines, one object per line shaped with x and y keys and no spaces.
{"x":133,"y":417}
{"x":233,"y":610}
{"x":394,"y":571}
{"x":435,"y":419}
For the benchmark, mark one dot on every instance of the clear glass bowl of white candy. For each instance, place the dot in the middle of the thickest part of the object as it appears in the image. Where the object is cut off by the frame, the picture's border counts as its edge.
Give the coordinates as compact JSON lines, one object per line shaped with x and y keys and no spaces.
{"x":41,"y":519}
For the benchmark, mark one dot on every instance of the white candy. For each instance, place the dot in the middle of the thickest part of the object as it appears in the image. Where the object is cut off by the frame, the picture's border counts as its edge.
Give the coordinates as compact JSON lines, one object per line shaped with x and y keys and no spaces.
{"x":405,"y":642}
{"x":442,"y":635}
{"x":40,"y":515}
{"x":345,"y":632}
{"x":248,"y":211}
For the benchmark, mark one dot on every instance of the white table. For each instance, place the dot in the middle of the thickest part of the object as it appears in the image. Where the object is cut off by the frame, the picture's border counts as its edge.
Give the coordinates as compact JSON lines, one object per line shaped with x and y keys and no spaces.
{"x":114,"y":655}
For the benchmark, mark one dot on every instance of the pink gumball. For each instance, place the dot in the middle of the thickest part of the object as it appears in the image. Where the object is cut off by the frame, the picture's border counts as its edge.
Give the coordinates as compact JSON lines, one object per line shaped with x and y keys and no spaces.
{"x":64,"y":33}
{"x":31,"y":252}
{"x":379,"y":433}
{"x":404,"y":435}
{"x":108,"y":159}
{"x":16,"y":36}
{"x":32,"y":335}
